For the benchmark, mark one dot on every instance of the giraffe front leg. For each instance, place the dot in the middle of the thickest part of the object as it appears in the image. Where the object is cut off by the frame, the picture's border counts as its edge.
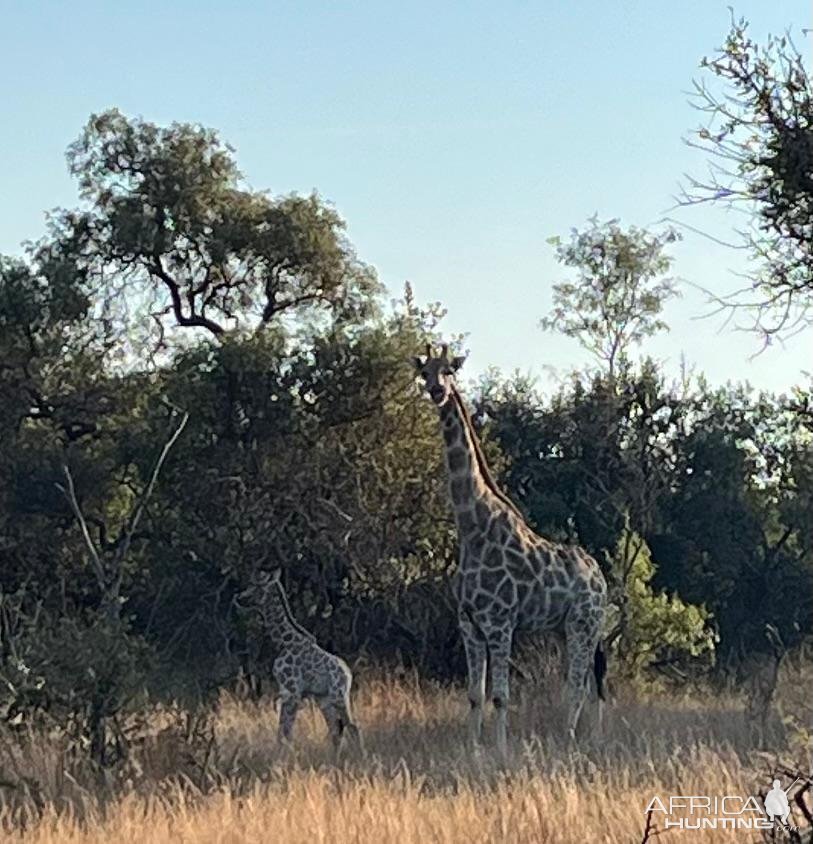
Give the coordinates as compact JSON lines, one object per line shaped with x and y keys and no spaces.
{"x":476,"y":654}
{"x":499,"y":653}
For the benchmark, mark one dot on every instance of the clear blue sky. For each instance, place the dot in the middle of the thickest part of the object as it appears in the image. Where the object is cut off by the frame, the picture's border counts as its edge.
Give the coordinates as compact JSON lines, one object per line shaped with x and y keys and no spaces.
{"x":454,"y":138}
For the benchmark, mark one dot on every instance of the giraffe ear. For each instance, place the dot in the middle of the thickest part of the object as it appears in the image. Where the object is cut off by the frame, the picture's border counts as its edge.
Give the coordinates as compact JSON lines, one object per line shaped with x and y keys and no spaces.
{"x":456,"y":362}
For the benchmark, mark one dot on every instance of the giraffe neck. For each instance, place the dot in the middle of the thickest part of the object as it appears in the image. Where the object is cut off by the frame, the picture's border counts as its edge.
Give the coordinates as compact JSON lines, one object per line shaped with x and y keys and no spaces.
{"x":278,"y":620}
{"x":470,"y":479}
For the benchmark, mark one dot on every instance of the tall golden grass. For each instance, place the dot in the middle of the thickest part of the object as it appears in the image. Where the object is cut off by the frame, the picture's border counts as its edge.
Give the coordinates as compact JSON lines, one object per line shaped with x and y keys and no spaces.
{"x":225,"y":780}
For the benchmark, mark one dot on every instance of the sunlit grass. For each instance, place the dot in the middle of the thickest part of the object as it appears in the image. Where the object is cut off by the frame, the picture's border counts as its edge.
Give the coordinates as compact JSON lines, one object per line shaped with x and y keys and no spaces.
{"x":417,"y":781}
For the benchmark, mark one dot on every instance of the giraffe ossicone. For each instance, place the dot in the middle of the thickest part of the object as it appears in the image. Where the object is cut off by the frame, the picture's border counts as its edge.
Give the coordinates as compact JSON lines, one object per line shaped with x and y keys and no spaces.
{"x":302,"y":669}
{"x":509,"y":578}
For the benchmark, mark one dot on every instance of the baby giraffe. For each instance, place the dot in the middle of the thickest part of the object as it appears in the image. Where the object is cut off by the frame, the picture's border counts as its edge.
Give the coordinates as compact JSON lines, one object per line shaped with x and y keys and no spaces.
{"x":302,"y":669}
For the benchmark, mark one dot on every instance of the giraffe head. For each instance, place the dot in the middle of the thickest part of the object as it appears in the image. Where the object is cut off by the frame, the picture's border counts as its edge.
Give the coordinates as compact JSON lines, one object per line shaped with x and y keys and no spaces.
{"x":438,"y":372}
{"x":257,"y":590}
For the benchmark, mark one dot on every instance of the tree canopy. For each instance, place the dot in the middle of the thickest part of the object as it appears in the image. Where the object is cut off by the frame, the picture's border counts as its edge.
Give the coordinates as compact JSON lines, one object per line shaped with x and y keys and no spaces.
{"x":169,"y":228}
{"x":620,"y":290}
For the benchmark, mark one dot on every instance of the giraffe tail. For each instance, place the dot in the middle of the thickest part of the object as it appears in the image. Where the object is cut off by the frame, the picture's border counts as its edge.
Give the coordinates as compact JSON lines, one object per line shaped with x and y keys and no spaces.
{"x":600,"y":669}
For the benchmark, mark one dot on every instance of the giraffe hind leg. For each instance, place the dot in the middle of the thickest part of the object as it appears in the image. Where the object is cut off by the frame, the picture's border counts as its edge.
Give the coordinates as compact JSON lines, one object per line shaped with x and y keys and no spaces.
{"x":349,"y":727}
{"x":581,"y":649}
{"x":338,"y":720}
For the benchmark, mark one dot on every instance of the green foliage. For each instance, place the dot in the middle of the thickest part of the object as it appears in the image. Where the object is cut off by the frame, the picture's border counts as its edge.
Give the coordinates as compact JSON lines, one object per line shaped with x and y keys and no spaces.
{"x":72,"y":671}
{"x":322,"y":461}
{"x":618,"y":296}
{"x":738,"y":518}
{"x":653,"y":630}
{"x":595,"y":452}
{"x":170,"y":222}
{"x":51,"y":353}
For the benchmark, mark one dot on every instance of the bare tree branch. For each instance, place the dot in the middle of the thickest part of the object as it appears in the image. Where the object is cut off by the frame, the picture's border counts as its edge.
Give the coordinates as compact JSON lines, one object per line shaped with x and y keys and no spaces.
{"x":110,"y":588}
{"x":139,"y":509}
{"x":70,"y":494}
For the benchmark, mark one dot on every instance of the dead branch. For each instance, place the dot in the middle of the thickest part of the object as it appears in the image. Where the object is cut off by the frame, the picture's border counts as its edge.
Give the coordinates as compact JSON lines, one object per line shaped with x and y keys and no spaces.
{"x":137,"y":512}
{"x":800,"y":802}
{"x":70,"y":493}
{"x":110,"y":590}
{"x":650,"y":830}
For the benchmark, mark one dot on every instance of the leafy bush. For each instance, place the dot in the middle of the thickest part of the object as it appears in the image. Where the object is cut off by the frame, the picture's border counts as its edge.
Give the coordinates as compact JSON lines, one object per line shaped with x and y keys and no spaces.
{"x":653,"y":630}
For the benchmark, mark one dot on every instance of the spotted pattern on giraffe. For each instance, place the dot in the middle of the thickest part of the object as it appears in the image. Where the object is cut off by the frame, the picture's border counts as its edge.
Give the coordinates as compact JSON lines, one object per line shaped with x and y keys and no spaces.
{"x":303,"y":670}
{"x":509,"y":578}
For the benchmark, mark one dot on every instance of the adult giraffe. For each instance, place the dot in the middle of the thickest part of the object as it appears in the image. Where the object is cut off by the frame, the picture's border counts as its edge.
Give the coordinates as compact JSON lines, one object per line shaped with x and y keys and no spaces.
{"x":508,"y":577}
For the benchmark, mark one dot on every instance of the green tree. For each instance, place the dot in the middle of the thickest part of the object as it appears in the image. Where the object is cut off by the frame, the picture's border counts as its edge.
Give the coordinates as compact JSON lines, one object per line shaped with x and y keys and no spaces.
{"x":170,"y":230}
{"x":619,"y":293}
{"x":595,"y":454}
{"x":51,"y":353}
{"x":735,"y":531}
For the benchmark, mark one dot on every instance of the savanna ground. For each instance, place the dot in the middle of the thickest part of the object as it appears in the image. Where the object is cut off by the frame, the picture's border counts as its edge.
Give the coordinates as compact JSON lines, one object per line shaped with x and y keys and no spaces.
{"x":219,"y":777}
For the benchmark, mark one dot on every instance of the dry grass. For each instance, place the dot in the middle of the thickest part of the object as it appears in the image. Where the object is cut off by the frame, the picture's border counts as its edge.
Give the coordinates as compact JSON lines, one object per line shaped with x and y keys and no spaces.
{"x":416,"y":783}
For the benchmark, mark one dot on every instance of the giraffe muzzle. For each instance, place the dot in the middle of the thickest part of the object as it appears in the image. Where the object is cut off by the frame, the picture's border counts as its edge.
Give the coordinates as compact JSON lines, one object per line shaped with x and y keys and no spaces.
{"x":437,"y":394}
